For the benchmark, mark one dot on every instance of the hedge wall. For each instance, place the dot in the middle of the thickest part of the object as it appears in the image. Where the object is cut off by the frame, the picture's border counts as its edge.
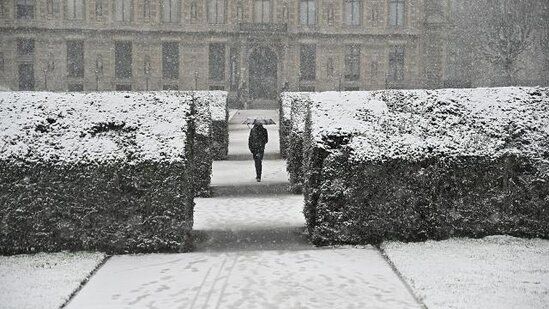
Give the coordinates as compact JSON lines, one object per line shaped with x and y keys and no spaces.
{"x":416,"y":165}
{"x":101,"y":171}
{"x":202,"y":142}
{"x":115,"y":207}
{"x":220,"y":123}
{"x":286,"y":101}
{"x":294,"y":162}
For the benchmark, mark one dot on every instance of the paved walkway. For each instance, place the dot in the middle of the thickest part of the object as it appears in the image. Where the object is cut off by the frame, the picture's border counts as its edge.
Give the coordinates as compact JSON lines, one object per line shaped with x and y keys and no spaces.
{"x":251,"y":252}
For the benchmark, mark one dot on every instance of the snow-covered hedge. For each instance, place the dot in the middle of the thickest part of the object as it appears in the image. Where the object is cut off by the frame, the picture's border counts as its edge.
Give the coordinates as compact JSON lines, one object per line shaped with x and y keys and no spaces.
{"x":202,"y":139}
{"x":285,"y":101}
{"x":294,"y":151}
{"x":220,"y":122}
{"x":419,"y":164}
{"x":97,"y":171}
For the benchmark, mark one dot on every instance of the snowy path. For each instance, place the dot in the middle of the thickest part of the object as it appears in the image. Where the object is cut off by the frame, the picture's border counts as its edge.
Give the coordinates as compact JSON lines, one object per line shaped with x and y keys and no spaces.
{"x":251,"y":251}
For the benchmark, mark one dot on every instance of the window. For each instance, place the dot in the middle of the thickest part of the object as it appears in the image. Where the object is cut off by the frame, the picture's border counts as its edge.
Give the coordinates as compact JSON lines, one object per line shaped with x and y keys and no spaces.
{"x":396,"y":63}
{"x":374,"y":13}
{"x":262,"y":11}
{"x":123,"y":87}
{"x":217,"y":61}
{"x":234,"y":74}
{"x":2,"y":8}
{"x":123,"y":59}
{"x":25,"y":9}
{"x":170,"y":11}
{"x":74,"y":9}
{"x":123,"y":10}
{"x":98,"y":8}
{"x":147,"y":65}
{"x":331,"y":14}
{"x":307,"y":62}
{"x":352,"y":89}
{"x":330,"y":67}
{"x":216,"y":11}
{"x":396,"y":12}
{"x":374,"y":70}
{"x":25,"y":47}
{"x":217,"y":87}
{"x":170,"y":87}
{"x":49,"y":7}
{"x":239,"y":12}
{"x":194,"y":12}
{"x":352,"y":12}
{"x":75,"y":58}
{"x":352,"y":63}
{"x":26,"y":76}
{"x":170,"y":60}
{"x":147,"y":9}
{"x":307,"y":88}
{"x":307,"y":12}
{"x":76,"y":87}
{"x":2,"y":62}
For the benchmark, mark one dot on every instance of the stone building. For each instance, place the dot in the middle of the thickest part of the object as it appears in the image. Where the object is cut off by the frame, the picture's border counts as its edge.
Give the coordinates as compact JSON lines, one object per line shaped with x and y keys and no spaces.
{"x":251,"y":48}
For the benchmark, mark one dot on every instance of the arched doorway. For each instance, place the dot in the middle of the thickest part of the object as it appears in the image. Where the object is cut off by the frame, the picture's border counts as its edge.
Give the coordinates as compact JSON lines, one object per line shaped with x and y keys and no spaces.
{"x":263,"y":64}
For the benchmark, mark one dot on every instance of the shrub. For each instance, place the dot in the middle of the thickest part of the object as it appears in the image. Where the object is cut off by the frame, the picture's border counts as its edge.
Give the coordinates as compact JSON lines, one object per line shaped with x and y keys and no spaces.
{"x":285,"y":101}
{"x":294,"y":151}
{"x":101,"y":171}
{"x":220,"y":123}
{"x":202,"y":141}
{"x":416,"y":165}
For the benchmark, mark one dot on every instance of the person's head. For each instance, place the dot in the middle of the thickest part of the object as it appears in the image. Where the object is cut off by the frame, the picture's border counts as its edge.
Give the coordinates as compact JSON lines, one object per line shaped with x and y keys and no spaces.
{"x":257,"y":123}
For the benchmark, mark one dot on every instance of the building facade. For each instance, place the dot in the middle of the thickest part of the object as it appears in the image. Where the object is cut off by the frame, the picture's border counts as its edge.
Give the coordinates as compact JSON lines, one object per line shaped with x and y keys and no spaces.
{"x":251,"y":48}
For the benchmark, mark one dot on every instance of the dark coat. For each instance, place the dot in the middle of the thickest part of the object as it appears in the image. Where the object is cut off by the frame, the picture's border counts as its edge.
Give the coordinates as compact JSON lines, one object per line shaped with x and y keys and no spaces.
{"x":258,"y":138}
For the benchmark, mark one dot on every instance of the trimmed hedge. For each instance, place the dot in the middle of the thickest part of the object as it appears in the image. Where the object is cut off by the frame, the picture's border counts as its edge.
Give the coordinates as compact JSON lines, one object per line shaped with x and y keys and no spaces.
{"x":202,"y":142}
{"x":115,"y":207}
{"x":101,"y":171}
{"x":286,"y":101}
{"x":417,"y":165}
{"x":294,"y":162}
{"x":220,"y":123}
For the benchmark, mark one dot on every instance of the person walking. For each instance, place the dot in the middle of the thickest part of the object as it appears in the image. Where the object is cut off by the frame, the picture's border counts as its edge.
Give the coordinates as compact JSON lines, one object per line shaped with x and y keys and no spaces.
{"x":256,"y":142}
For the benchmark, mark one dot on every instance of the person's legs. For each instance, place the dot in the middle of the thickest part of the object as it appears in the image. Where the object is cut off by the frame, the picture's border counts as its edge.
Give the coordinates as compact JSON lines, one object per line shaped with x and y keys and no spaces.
{"x":258,"y":158}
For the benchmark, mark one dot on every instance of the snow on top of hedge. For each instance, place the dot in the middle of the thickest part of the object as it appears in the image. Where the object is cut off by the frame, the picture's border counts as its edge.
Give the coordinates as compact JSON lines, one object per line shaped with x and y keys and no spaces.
{"x":83,"y":127}
{"x":218,"y":103}
{"x":417,"y":124}
{"x":288,"y":99}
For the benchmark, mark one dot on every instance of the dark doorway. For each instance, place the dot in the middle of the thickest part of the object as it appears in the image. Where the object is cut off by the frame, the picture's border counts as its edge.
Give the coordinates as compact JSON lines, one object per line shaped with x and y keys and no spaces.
{"x":263,"y":74}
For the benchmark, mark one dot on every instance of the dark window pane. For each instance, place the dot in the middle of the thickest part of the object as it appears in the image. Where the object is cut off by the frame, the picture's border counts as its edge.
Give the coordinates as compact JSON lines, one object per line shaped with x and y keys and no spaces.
{"x":308,"y":62}
{"x":123,"y":87}
{"x":26,"y":77}
{"x":76,"y":87}
{"x":123,"y":59}
{"x":396,"y":63}
{"x":25,"y":47}
{"x":25,"y":9}
{"x":75,"y":58}
{"x":352,"y":63}
{"x":217,"y":61}
{"x":170,"y":60}
{"x":170,"y":87}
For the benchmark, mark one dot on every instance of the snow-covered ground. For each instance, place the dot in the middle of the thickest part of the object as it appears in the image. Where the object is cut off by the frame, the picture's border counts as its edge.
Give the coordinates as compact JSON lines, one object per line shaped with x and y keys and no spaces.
{"x":43,"y":280}
{"x":317,"y":278}
{"x":248,"y":212}
{"x":494,"y":272}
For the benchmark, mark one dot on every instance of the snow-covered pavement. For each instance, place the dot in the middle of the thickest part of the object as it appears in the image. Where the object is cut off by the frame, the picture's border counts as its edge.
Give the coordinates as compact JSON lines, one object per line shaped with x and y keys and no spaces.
{"x":43,"y":280}
{"x":494,"y":272}
{"x":316,"y":278}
